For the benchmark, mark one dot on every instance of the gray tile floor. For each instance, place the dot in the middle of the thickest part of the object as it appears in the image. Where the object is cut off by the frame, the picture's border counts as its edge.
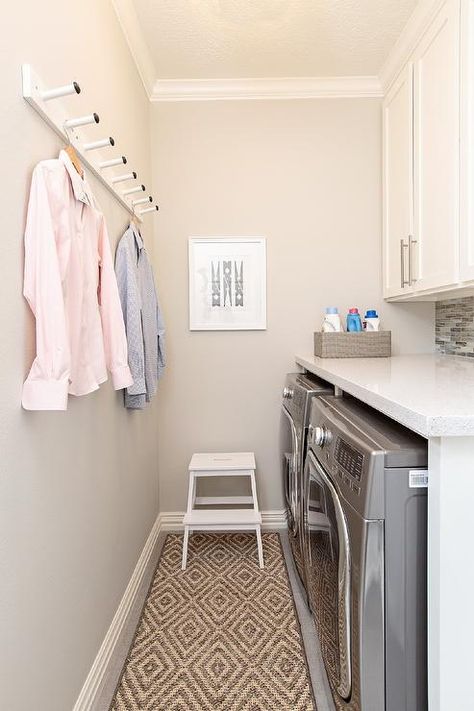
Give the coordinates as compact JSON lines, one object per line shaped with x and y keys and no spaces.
{"x":315,"y":664}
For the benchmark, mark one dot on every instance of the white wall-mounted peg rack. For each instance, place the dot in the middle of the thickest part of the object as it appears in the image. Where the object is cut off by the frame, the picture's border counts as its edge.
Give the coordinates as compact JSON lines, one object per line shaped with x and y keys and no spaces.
{"x":47,"y":104}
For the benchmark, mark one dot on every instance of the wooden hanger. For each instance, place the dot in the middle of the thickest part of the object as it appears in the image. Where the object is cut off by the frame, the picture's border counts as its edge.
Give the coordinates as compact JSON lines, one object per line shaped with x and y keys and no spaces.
{"x":71,"y":151}
{"x":135,"y":221}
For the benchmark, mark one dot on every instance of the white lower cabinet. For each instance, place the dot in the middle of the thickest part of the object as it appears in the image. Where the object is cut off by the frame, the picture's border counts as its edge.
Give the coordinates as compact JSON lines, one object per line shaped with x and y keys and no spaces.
{"x":428,"y":159}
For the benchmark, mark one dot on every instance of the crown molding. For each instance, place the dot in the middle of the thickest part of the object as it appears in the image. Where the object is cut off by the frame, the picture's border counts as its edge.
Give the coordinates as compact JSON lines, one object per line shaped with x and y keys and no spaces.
{"x":131,"y":28}
{"x":420,"y":18}
{"x":272,"y":88}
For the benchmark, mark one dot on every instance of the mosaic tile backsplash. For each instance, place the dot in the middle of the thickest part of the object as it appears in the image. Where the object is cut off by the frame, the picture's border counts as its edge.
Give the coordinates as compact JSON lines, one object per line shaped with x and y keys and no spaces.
{"x":455,"y":326}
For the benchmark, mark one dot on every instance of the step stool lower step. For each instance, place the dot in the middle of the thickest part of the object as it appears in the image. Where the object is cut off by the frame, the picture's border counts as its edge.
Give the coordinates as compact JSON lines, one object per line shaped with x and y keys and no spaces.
{"x":222,"y":517}
{"x":222,"y":520}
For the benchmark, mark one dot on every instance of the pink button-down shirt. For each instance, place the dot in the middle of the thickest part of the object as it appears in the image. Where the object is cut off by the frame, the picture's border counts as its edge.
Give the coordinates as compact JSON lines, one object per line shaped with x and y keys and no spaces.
{"x":71,"y":287}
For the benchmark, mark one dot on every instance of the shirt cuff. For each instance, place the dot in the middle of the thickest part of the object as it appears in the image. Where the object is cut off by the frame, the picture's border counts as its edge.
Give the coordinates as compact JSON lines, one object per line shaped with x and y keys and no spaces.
{"x":138,"y":386}
{"x":135,"y":402}
{"x":121,"y":377}
{"x":45,"y":394}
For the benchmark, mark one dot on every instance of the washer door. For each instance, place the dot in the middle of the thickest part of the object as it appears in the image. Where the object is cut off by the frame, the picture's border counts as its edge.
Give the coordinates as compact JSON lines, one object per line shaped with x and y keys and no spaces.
{"x":289,"y":461}
{"x":328,"y":573}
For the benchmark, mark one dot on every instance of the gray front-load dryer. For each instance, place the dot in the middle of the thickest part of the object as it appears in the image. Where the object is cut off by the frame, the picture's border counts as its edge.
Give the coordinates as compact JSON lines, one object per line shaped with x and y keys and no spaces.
{"x":297,"y":394}
{"x":365,"y":558}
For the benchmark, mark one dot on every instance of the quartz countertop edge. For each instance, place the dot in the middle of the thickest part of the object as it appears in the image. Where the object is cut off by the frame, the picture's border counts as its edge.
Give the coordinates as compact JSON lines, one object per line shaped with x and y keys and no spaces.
{"x":431,"y":394}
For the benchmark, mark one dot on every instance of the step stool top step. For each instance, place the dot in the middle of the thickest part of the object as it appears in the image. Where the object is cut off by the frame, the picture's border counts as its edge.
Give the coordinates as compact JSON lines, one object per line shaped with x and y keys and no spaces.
{"x":222,"y":517}
{"x":222,"y":461}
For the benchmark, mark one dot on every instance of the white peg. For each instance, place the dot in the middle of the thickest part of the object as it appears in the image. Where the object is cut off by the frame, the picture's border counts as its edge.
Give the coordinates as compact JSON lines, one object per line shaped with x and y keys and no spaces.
{"x":103,"y":143}
{"x":130,"y":191}
{"x":81,"y":121}
{"x":73,"y":88}
{"x":142,"y":201}
{"x":122,"y":178}
{"x":149,"y":209}
{"x":113,"y":161}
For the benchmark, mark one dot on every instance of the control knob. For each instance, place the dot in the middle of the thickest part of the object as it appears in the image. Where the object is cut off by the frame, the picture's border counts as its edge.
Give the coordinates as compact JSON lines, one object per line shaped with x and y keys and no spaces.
{"x":288,"y":393}
{"x":320,"y":436}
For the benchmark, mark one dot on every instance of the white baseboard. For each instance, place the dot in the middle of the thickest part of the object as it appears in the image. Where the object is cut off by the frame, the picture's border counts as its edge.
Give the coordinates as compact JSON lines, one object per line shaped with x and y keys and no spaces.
{"x":166,"y":521}
{"x":173,"y":520}
{"x":98,"y":670}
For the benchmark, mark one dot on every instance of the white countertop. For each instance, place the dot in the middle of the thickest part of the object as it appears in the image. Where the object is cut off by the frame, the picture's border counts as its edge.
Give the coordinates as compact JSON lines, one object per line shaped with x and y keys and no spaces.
{"x":431,"y":394}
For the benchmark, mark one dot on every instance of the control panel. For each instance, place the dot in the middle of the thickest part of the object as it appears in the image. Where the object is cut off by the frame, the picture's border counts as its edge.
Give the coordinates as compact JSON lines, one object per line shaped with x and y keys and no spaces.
{"x":351,"y":461}
{"x":294,"y":398}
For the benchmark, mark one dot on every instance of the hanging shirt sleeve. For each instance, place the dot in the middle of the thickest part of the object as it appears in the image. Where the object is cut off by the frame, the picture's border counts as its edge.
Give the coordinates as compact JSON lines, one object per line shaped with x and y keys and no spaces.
{"x":46,"y":387}
{"x":161,"y":340}
{"x":113,"y":328}
{"x":130,"y":300}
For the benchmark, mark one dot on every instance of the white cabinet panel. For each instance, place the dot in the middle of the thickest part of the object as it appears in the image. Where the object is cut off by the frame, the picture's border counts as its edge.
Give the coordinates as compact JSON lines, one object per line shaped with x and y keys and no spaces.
{"x":435,"y":254}
{"x":398,"y":183}
{"x":467,"y":142}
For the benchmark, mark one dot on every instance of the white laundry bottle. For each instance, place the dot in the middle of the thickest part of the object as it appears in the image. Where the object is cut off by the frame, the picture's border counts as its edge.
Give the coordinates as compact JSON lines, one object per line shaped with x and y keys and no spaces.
{"x":372,"y":321}
{"x":332,"y":320}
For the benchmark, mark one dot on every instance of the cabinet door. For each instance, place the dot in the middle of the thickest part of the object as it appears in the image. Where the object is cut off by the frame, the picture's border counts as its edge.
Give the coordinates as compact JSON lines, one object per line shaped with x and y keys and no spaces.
{"x":435,"y":251}
{"x":467,"y":142}
{"x":397,"y":183}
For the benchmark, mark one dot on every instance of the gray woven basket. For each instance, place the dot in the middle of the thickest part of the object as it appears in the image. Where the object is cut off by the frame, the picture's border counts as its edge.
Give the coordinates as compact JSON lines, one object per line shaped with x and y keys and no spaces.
{"x":349,"y":344}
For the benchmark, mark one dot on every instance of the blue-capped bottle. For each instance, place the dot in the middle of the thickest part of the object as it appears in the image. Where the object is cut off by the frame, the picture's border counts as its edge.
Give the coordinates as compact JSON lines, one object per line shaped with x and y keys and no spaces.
{"x":372,"y":321}
{"x":354,"y":322}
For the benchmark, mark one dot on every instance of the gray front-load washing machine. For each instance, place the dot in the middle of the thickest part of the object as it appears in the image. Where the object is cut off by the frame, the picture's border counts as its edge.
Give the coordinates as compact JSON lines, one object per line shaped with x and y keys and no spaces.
{"x":365,"y":526}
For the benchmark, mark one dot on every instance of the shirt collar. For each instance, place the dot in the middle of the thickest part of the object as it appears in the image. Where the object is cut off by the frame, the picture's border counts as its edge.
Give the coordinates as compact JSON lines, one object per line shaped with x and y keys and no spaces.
{"x":80,"y":186}
{"x":138,"y":238}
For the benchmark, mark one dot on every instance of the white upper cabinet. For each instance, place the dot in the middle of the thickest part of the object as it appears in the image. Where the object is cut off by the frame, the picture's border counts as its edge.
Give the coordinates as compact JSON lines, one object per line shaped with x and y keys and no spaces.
{"x":436,"y":151}
{"x":398,"y":183}
{"x":428,"y":160}
{"x":466,"y":259}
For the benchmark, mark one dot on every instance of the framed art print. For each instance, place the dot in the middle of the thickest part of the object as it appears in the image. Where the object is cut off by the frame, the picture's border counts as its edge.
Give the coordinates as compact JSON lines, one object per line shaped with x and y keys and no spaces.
{"x":227,"y":283}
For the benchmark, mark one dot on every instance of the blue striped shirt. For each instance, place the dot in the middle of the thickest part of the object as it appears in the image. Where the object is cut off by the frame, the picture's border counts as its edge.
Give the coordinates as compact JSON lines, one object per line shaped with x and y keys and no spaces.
{"x":142,"y":316}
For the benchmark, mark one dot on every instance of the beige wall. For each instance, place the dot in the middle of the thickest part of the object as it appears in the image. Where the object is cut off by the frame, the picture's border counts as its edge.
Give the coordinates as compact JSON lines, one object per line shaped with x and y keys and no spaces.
{"x":78,"y":490}
{"x":307,"y":176}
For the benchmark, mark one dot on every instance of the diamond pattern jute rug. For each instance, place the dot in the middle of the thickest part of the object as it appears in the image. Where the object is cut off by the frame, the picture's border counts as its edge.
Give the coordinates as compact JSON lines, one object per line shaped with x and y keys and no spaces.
{"x":221,"y":636}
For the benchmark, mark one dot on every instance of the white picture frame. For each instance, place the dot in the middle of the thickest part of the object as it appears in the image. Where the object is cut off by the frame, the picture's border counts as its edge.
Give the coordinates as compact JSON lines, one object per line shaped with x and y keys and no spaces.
{"x":227,"y":283}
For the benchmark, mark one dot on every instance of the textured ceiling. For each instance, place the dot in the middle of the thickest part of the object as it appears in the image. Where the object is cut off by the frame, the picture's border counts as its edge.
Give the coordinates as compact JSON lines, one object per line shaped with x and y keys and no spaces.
{"x":214,"y":39}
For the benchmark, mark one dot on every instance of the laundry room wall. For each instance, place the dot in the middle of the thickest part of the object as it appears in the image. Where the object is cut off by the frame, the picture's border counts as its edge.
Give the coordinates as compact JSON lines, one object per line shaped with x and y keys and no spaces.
{"x":78,"y":489}
{"x":306,"y":175}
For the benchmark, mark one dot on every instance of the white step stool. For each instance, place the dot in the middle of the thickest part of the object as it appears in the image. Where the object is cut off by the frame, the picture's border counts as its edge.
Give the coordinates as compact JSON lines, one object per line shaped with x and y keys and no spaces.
{"x":225,"y":464}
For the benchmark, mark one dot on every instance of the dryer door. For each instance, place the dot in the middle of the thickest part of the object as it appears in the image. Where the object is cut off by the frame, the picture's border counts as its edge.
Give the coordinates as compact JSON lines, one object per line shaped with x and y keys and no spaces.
{"x":328,"y":573}
{"x":289,"y":460}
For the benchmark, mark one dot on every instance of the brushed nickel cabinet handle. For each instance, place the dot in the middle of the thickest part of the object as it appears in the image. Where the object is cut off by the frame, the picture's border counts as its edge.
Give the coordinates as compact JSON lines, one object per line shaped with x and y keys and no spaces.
{"x":411,"y":242}
{"x":403,"y":281}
